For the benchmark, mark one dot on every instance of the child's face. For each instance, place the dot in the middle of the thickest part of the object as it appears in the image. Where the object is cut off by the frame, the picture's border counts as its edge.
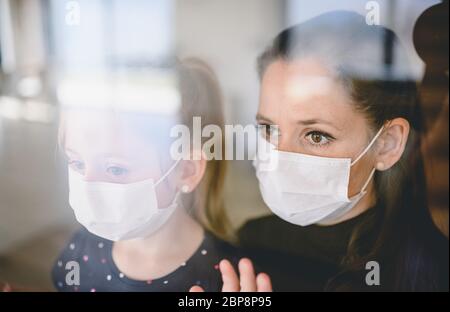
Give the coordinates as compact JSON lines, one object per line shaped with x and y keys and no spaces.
{"x":102,"y":147}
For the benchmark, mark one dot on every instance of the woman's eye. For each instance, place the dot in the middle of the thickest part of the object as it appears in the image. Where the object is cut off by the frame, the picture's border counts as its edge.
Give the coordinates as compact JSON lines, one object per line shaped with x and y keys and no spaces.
{"x":117,"y":171}
{"x":318,"y":138}
{"x":76,"y":165}
{"x":269,"y":132}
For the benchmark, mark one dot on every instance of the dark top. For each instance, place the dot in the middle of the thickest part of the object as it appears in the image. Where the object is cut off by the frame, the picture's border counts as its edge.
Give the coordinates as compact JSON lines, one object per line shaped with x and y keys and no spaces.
{"x":306,"y":258}
{"x":98,"y":271}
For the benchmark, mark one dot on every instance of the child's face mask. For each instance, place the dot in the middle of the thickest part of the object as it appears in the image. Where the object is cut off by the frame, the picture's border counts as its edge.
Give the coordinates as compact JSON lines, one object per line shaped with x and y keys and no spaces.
{"x":119,"y":211}
{"x":304,"y":189}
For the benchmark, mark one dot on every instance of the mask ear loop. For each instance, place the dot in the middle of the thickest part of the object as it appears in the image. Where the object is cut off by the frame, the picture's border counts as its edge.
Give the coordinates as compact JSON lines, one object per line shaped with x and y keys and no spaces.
{"x":167,"y":172}
{"x":363,"y":189}
{"x":176,"y":197}
{"x":368,"y":146}
{"x":178,"y":194}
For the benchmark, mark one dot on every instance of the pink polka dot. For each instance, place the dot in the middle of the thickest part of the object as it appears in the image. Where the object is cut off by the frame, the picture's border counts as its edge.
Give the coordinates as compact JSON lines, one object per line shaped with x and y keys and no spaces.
{"x":103,"y":260}
{"x":149,"y":281}
{"x":85,"y":258}
{"x":92,"y":289}
{"x":216,"y":266}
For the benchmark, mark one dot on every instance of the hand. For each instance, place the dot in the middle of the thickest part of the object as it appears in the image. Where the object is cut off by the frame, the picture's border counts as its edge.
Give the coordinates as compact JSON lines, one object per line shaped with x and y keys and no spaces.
{"x":248,"y":282}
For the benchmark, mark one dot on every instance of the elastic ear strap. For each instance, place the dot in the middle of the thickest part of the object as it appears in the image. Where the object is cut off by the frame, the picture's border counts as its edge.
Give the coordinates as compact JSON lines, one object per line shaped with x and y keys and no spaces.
{"x":368,"y":180}
{"x":176,"y":197}
{"x":368,"y":146}
{"x":167,"y":172}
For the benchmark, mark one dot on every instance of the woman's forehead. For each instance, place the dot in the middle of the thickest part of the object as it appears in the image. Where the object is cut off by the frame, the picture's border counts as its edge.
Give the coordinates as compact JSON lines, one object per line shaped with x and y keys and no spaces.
{"x":306,"y":91}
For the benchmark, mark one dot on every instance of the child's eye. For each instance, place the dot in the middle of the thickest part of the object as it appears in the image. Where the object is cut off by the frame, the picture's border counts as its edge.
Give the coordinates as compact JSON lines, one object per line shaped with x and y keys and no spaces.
{"x":76,"y":165}
{"x":318,"y":138}
{"x":117,"y":171}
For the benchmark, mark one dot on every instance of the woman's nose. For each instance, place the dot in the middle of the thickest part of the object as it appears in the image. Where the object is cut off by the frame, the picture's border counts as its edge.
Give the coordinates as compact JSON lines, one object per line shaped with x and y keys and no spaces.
{"x":285,"y":144}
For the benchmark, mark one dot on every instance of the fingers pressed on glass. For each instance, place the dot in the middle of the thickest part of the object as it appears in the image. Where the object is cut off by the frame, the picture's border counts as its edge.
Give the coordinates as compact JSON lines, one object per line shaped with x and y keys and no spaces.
{"x":247,"y":275}
{"x":229,"y":277}
{"x":196,"y":289}
{"x":263,"y":283}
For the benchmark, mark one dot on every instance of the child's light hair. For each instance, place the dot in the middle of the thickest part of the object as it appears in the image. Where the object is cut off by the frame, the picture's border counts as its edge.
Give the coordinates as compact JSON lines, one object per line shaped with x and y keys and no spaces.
{"x":201,"y":96}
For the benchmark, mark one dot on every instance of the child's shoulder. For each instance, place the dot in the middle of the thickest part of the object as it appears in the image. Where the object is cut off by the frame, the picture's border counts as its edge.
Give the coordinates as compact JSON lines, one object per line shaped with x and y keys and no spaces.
{"x":83,"y":241}
{"x":81,"y":249}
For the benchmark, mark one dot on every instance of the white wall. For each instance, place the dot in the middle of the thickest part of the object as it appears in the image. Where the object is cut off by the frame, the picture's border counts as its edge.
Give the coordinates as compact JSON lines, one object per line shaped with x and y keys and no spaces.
{"x":229,"y":35}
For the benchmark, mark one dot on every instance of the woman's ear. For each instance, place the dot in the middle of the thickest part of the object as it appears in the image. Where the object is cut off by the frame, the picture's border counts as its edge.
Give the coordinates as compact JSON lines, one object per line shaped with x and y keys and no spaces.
{"x":191,"y":173}
{"x":392,"y":143}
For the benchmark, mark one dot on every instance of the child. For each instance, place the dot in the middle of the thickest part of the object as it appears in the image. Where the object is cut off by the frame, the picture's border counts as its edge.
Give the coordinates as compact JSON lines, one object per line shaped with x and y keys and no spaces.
{"x":150,"y":223}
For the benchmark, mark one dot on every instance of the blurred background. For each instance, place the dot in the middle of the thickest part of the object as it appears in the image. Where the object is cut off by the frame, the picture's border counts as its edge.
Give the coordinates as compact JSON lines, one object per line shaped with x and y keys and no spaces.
{"x":44,"y":43}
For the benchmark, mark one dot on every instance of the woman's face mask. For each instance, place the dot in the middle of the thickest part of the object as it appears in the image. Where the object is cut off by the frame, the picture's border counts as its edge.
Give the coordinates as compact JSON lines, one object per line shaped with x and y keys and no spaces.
{"x":304,"y":189}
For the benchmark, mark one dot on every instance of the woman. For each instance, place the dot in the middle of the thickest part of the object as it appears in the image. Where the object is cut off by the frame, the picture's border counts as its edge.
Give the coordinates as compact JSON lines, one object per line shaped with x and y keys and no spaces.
{"x":349,"y":183}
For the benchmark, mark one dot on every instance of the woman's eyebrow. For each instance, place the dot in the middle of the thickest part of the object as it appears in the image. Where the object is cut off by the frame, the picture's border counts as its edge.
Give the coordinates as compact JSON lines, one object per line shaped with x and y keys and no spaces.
{"x":260,"y":117}
{"x":308,"y":122}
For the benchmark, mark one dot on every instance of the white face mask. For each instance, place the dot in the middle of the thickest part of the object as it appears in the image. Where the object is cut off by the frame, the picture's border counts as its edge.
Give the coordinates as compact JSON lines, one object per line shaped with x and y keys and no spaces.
{"x":304,"y":189}
{"x":118,"y":211}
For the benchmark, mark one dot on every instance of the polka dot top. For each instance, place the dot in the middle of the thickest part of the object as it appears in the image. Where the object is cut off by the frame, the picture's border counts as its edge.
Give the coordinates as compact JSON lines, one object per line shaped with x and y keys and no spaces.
{"x":98,"y":272}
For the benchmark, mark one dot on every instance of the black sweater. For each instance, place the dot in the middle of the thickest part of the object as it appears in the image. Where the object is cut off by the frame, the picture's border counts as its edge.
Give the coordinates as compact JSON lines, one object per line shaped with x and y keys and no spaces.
{"x":306,"y":258}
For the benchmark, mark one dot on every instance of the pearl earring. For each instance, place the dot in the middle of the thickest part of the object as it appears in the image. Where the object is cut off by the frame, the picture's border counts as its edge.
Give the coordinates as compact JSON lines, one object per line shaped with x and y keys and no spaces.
{"x":380,"y":166}
{"x":185,"y":189}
